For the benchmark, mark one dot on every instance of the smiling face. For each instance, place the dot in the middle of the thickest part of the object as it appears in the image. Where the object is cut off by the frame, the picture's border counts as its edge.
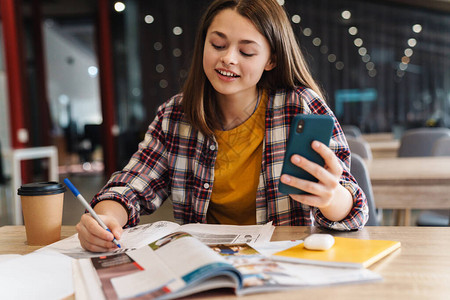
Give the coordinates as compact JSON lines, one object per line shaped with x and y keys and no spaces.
{"x":235,"y":55}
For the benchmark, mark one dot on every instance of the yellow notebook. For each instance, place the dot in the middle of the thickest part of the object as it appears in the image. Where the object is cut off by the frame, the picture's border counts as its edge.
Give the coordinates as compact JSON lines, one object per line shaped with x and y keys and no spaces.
{"x":346,"y":252}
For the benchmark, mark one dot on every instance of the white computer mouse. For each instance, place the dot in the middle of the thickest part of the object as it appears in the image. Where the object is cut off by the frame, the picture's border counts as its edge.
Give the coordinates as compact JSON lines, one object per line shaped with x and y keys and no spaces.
{"x":319,"y":241}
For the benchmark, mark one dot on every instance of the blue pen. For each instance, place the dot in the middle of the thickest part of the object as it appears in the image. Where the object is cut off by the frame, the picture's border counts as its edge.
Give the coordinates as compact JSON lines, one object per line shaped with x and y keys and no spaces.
{"x":88,"y":207}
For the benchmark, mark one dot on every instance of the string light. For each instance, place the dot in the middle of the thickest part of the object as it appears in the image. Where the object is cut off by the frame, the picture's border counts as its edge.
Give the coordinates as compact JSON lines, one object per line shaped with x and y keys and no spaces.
{"x":417,"y":28}
{"x":149,"y":19}
{"x":408,"y":52}
{"x":346,"y":14}
{"x":353,"y":30}
{"x":307,"y":32}
{"x":296,"y":19}
{"x":119,"y":6}
{"x":157,"y":46}
{"x":316,"y":41}
{"x":412,"y":42}
{"x":177,"y":30}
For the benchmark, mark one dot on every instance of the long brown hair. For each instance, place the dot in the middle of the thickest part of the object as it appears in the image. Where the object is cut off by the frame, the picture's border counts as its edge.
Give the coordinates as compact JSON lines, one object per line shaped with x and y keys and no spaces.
{"x":291,"y":70}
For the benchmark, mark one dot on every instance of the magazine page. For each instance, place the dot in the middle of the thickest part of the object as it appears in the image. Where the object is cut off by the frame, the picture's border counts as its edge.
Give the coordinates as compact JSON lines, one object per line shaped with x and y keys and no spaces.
{"x":86,"y":283}
{"x":81,"y":283}
{"x":177,"y":264}
{"x":99,"y":273}
{"x":230,"y":234}
{"x":261,"y":273}
{"x":141,"y":235}
{"x":132,"y":238}
{"x":258,"y":271}
{"x":265,"y":274}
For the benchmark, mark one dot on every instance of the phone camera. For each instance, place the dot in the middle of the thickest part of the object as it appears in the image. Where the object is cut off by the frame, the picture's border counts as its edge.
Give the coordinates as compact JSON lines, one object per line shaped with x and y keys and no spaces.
{"x":300,"y":125}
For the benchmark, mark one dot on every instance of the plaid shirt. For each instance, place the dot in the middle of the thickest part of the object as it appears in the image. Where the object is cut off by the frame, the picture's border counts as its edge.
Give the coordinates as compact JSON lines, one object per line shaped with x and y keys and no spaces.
{"x":177,"y":161}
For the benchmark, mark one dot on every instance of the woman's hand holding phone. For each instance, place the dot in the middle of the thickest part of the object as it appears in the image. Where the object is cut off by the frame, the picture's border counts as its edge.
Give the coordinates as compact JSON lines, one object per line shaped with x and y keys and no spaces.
{"x":333,"y":200}
{"x":311,"y":170}
{"x":321,"y":192}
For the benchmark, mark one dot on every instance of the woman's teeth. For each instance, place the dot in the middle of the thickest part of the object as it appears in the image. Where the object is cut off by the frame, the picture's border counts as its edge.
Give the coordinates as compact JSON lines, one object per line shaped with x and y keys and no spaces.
{"x":228,"y":74}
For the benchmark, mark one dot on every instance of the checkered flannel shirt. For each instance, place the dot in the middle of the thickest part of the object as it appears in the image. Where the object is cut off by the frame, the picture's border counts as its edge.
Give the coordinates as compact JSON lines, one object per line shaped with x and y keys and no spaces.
{"x":175,"y":160}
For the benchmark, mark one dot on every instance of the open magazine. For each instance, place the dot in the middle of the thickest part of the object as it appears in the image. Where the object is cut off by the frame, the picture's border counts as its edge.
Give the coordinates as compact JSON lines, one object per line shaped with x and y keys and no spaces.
{"x":141,"y":235}
{"x":179,"y":264}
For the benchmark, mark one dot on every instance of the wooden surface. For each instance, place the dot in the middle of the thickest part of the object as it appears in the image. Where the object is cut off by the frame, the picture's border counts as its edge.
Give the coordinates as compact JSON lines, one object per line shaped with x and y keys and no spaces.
{"x":378,"y":137}
{"x":410,"y":170}
{"x":13,"y":239}
{"x":419,"y":270}
{"x":411,"y":182}
{"x":384,"y":149}
{"x":407,"y":183}
{"x":383,"y":145}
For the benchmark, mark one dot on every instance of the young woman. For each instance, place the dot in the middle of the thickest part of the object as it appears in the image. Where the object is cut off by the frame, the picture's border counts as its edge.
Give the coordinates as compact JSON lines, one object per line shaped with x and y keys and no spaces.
{"x":217,"y":148}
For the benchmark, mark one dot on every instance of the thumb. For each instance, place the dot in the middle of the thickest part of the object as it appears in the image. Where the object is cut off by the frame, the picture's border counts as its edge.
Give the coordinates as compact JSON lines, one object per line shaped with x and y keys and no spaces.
{"x":116,"y":230}
{"x":113,"y":226}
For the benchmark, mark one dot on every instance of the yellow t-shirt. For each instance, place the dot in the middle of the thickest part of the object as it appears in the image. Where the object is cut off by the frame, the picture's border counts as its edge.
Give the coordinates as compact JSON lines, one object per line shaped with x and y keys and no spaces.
{"x":237,"y":169}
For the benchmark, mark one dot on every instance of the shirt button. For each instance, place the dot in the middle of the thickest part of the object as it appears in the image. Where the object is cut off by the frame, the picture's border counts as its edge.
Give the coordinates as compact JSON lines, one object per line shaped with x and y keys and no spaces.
{"x":212,"y":147}
{"x":206,"y":185}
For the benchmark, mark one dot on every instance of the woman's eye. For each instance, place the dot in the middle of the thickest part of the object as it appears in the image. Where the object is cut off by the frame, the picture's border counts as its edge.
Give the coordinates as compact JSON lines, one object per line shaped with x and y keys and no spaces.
{"x":217,"y":46}
{"x":247,"y":54}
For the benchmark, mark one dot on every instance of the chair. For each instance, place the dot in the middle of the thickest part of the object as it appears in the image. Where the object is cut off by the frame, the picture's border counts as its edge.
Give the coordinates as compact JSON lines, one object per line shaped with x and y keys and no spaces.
{"x":360,"y":147}
{"x":351,"y":130}
{"x":439,"y":218}
{"x":424,"y":142}
{"x":420,"y":141}
{"x":359,"y":170}
{"x":441,"y":147}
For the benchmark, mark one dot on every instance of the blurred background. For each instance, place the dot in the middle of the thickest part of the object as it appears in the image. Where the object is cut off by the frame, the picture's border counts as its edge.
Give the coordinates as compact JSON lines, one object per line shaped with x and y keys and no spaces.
{"x":86,"y":77}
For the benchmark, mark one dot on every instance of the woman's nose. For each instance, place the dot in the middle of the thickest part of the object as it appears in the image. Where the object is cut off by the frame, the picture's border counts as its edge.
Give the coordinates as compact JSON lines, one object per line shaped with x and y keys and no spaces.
{"x":229,"y":57}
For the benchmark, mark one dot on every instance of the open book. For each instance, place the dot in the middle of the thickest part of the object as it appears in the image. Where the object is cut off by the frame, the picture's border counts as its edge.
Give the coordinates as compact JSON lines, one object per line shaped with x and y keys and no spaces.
{"x":179,"y":264}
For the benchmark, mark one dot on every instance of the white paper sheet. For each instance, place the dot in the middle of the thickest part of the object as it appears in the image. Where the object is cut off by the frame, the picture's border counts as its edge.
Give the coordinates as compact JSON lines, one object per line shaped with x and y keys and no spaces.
{"x":5,"y":257}
{"x":38,"y":275}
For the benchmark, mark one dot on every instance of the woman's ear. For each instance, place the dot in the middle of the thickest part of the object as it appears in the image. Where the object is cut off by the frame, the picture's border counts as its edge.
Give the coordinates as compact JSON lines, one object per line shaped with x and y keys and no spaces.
{"x":270,"y":64}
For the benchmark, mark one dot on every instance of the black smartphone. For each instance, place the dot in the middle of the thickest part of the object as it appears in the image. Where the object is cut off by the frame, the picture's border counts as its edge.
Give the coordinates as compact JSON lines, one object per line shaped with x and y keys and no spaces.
{"x":303,"y":131}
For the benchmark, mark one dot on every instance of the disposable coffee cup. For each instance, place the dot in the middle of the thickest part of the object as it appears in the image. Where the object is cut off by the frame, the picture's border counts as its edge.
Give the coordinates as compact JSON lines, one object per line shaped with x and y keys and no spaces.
{"x":42,"y":208}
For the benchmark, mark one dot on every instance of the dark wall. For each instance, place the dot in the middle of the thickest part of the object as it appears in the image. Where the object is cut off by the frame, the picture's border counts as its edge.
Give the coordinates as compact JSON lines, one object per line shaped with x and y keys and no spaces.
{"x":373,"y":92}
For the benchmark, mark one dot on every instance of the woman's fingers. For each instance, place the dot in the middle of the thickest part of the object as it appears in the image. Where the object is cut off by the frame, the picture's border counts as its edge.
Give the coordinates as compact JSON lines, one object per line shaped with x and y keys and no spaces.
{"x":321,"y":192}
{"x":93,"y":237}
{"x":331,"y":161}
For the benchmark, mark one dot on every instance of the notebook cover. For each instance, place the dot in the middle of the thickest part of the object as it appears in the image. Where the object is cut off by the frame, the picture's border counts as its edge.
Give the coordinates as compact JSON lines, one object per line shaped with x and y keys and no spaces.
{"x":347,"y":252}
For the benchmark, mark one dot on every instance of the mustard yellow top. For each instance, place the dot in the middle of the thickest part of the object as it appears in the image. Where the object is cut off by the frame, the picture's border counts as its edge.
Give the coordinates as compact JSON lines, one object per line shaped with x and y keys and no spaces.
{"x":237,"y":169}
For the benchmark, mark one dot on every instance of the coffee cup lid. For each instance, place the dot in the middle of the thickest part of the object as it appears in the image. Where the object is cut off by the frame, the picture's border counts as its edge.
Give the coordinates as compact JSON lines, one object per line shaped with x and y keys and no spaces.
{"x":41,"y":188}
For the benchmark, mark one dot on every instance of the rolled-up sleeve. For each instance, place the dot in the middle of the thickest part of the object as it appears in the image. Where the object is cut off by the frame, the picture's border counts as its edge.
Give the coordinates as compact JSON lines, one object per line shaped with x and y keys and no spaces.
{"x":142,"y":186}
{"x":359,"y":213}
